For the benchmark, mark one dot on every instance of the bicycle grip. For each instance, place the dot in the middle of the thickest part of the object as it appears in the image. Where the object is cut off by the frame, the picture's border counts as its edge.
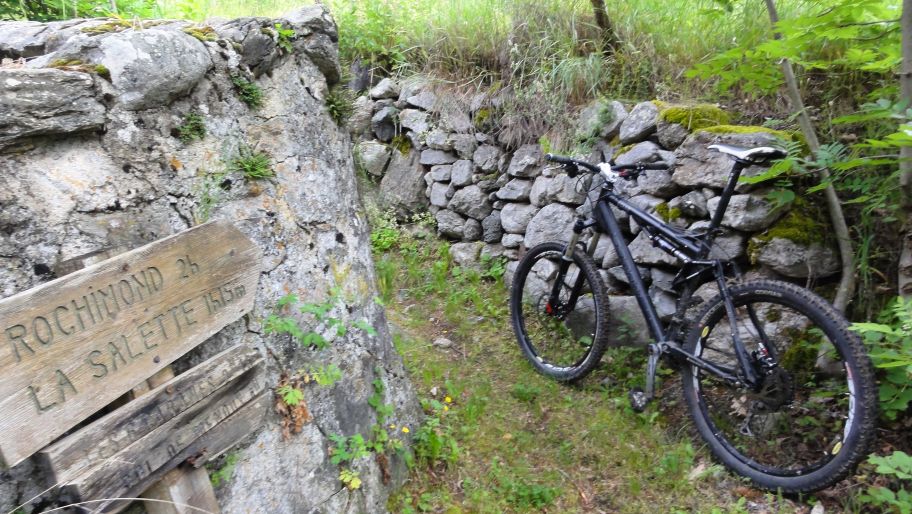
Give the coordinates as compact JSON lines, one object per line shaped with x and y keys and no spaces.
{"x":570,"y":164}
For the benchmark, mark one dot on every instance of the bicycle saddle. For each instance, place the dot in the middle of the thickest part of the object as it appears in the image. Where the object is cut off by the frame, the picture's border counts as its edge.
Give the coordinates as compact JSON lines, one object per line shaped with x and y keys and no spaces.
{"x":754,"y":155}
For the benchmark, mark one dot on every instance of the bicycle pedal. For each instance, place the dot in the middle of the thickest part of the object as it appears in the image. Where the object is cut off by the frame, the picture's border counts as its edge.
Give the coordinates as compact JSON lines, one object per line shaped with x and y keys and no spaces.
{"x":638,"y":399}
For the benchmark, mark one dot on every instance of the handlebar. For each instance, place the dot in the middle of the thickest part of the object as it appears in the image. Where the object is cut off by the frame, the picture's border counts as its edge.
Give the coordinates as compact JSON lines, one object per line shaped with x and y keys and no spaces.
{"x":573,"y":165}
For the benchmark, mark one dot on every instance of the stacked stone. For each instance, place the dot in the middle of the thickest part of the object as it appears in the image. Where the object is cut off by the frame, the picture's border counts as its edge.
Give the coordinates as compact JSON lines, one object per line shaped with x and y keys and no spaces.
{"x":493,"y":202}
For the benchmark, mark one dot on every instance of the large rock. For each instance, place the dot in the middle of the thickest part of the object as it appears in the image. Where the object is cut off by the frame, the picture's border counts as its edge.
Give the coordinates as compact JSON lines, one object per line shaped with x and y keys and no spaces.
{"x":600,"y":119}
{"x":386,"y":88}
{"x":647,"y":151}
{"x":627,"y":326}
{"x":373,"y":157}
{"x":403,"y":185}
{"x":486,"y":157}
{"x":640,"y":123}
{"x":657,"y":183}
{"x":553,"y":223}
{"x":133,"y":183}
{"x":438,"y":194}
{"x":644,"y":252}
{"x":516,"y":190}
{"x":698,"y":166}
{"x":526,"y":161}
{"x":437,"y":139}
{"x":414,"y":120}
{"x":566,"y":189}
{"x":147,"y":68}
{"x":450,"y":224}
{"x":359,"y":123}
{"x":472,"y":230}
{"x":471,"y":201}
{"x":797,"y":259}
{"x":492,"y":230}
{"x":424,"y":100}
{"x":464,"y":144}
{"x":515,"y":217}
{"x":461,"y":173}
{"x":729,"y":244}
{"x":538,"y":195}
{"x":749,"y":213}
{"x":671,"y":135}
{"x":692,"y":204}
{"x":383,"y":124}
{"x":434,"y":157}
{"x":46,"y":101}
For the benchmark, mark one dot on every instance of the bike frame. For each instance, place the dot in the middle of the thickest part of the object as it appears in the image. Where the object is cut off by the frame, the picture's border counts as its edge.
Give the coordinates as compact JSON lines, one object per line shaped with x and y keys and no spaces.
{"x":693,"y":250}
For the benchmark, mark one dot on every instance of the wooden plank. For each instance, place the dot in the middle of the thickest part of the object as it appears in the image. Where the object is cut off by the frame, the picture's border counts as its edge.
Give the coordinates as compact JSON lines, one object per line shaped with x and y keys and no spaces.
{"x":207,"y":446}
{"x":72,"y":345}
{"x":155,"y":450}
{"x":72,"y":455}
{"x":179,"y":488}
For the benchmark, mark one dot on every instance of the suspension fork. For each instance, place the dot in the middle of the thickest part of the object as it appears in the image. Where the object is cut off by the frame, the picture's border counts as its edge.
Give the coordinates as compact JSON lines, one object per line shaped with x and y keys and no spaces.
{"x":563,"y":267}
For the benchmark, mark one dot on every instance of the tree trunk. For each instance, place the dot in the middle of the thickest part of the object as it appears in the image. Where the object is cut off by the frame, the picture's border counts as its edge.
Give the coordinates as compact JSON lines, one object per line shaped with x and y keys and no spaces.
{"x":904,"y":277}
{"x":609,"y":38}
{"x":841,"y":230}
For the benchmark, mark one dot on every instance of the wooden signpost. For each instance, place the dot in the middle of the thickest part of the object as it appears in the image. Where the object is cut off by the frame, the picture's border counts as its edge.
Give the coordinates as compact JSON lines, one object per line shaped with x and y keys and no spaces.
{"x":72,"y":346}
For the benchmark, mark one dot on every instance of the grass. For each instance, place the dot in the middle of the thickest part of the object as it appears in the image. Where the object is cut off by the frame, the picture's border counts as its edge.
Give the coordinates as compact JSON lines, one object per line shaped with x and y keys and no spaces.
{"x":525,"y":442}
{"x":253,"y":164}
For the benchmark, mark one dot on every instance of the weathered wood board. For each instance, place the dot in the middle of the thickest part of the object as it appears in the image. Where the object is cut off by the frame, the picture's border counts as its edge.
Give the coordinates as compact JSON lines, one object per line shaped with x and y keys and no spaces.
{"x":103,"y":439}
{"x":72,"y":345}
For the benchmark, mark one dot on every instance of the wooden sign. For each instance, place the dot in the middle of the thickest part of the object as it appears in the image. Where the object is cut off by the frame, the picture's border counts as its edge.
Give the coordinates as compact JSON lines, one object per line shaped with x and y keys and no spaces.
{"x":196,"y":415}
{"x":72,"y":345}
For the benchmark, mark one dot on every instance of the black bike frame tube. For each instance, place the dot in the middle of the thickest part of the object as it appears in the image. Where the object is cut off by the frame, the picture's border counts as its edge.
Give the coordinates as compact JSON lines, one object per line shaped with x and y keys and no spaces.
{"x":643,"y":218}
{"x":608,"y":224}
{"x":724,"y":198}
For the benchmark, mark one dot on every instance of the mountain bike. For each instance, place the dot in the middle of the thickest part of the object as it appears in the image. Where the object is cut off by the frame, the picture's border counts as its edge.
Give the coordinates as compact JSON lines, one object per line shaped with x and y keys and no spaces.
{"x":778,"y":387}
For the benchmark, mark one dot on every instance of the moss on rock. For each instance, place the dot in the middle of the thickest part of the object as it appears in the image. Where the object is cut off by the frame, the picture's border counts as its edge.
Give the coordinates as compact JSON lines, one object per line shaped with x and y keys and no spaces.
{"x":798,"y":226}
{"x":668,"y":214}
{"x":747,"y":129}
{"x":695,"y":117}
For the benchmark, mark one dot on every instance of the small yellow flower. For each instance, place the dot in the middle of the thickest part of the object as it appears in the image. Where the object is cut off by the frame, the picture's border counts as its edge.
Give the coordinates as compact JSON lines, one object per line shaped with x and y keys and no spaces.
{"x":445,"y":408}
{"x":448,"y":399}
{"x":392,"y":427}
{"x":405,"y":430}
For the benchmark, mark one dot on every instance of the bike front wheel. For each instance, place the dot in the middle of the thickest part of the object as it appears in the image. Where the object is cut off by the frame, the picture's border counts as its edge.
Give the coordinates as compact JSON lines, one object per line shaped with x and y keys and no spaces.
{"x":811,"y":419}
{"x":560,"y":316}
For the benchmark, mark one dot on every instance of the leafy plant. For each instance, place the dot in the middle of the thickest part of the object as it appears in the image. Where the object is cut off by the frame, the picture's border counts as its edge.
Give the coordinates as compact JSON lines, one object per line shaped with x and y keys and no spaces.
{"x":193,"y":127}
{"x":253,"y":164}
{"x":290,"y":395}
{"x":247,"y":91}
{"x":324,"y":376}
{"x":223,"y":473}
{"x":340,"y":102}
{"x":208,"y":195}
{"x":348,"y":449}
{"x":351,"y":479}
{"x":897,"y":466}
{"x":320,"y":312}
{"x":434,"y":442}
{"x":890,"y":344}
{"x":284,"y":37}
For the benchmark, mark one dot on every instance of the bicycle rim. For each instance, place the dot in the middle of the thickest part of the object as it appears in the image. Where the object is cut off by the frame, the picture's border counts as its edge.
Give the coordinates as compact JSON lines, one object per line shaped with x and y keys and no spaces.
{"x":804,"y":413}
{"x":558,"y":337}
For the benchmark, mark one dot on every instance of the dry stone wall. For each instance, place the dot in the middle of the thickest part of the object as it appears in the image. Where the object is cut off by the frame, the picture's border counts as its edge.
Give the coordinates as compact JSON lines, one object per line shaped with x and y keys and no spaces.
{"x":92,"y":114}
{"x":492,"y":201}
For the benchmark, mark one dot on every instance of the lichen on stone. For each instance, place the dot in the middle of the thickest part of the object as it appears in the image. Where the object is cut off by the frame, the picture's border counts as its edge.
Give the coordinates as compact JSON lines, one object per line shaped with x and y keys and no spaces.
{"x":695,"y":117}
{"x":104,"y":28}
{"x":205,"y":33}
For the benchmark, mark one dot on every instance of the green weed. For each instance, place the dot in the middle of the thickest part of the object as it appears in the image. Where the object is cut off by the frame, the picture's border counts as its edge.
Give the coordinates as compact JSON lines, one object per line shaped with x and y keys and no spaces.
{"x":193,"y":127}
{"x":223,"y":473}
{"x":247,"y":91}
{"x":340,"y":102}
{"x":253,"y":164}
{"x":284,"y":37}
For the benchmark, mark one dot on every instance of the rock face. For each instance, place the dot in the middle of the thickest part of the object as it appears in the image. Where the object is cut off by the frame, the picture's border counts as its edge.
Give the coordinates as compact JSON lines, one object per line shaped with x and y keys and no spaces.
{"x":403,"y":185}
{"x":47,"y":101}
{"x":67,"y":191}
{"x":640,"y":123}
{"x":798,"y":260}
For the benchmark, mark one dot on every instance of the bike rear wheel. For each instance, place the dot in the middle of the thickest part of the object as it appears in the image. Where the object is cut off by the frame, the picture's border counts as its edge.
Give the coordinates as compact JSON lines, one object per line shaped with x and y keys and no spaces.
{"x":812,"y":419}
{"x":563,"y":339}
